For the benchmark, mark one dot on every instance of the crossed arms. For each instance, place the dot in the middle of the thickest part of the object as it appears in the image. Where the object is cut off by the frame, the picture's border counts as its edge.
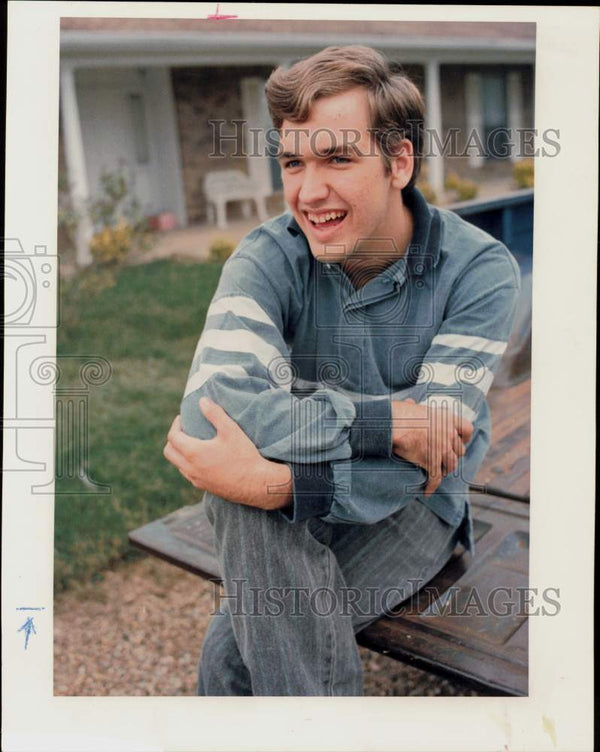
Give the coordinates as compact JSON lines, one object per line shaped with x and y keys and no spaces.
{"x":268,"y":440}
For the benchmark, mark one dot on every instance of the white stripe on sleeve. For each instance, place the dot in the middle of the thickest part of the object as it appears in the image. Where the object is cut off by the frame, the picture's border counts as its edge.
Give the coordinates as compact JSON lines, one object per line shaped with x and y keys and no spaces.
{"x":239,"y":305}
{"x":462,"y":374}
{"x":206,"y":370}
{"x":479,"y":344}
{"x":241,"y":341}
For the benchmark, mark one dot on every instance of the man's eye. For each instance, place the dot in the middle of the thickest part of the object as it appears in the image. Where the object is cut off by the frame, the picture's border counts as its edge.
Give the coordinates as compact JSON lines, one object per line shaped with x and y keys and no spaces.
{"x":341,"y":160}
{"x":291,"y":163}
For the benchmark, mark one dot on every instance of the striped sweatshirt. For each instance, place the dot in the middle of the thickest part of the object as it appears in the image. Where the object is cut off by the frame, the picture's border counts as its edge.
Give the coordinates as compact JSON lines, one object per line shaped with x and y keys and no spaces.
{"x":307,"y":365}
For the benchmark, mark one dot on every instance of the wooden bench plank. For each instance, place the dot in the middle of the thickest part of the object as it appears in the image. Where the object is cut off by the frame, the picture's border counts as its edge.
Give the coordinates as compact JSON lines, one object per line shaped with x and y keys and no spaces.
{"x":506,"y":465}
{"x":183,"y":538}
{"x":443,"y":629}
{"x":507,"y":422}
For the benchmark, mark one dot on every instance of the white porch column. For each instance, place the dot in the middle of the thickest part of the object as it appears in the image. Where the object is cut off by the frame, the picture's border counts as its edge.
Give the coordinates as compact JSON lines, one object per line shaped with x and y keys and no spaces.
{"x":433,"y":124}
{"x":514,"y":96}
{"x":255,"y":142}
{"x":75,"y":159}
{"x":474,"y":116}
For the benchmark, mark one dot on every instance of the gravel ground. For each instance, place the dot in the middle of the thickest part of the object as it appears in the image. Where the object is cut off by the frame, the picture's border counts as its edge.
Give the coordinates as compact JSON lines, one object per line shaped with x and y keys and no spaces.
{"x":139,"y":632}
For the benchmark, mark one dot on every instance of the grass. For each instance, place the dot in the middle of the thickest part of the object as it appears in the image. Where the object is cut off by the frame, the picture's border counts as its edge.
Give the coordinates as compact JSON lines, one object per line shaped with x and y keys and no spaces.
{"x":146,"y":326}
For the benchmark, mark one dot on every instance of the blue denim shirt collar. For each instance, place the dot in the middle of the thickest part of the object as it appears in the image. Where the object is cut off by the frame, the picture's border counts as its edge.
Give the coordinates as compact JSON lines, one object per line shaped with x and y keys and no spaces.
{"x":427,"y":234}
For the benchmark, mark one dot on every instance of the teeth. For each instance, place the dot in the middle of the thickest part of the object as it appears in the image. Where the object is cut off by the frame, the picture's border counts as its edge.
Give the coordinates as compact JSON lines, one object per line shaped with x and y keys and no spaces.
{"x":319,"y":219}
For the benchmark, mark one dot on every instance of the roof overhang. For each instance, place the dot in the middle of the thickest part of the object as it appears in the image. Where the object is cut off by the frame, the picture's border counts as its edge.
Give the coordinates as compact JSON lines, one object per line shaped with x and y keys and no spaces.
{"x":112,"y":48}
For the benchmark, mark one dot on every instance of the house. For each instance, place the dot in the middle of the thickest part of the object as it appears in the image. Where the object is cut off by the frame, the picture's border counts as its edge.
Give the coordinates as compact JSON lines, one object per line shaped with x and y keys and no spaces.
{"x":149,"y":93}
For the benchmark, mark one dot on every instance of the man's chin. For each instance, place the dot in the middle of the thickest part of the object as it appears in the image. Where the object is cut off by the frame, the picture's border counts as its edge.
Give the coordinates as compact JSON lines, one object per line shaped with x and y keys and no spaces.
{"x":328,"y":253}
{"x":327,"y":256}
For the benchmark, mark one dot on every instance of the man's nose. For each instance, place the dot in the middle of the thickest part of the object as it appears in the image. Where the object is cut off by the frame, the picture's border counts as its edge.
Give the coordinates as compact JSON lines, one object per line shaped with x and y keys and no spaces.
{"x":314,"y":188}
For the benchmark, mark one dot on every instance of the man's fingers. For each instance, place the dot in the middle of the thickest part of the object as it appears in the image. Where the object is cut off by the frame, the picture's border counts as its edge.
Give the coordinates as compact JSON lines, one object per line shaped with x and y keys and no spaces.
{"x":434,"y":470}
{"x":179,"y":461}
{"x":183,"y":443}
{"x":216,"y":415}
{"x":433,"y":482}
{"x":450,"y":462}
{"x":465,"y":429}
{"x":180,"y":440}
{"x":458,"y":446}
{"x":175,"y":427}
{"x":174,"y":457}
{"x":188,"y":446}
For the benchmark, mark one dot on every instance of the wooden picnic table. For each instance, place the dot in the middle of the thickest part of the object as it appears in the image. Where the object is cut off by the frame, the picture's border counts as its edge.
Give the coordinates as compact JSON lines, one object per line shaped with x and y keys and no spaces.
{"x":487,"y":652}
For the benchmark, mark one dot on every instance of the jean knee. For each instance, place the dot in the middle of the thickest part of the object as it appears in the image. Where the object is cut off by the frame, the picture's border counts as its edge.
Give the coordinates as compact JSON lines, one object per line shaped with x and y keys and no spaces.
{"x":218,"y":509}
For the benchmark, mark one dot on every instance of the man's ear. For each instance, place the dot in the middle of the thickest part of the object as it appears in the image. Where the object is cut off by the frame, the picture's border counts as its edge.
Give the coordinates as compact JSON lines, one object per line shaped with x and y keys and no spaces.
{"x":402,"y":163}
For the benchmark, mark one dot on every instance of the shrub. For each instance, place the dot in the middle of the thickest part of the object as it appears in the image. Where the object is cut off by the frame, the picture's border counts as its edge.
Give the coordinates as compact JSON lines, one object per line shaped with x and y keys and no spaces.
{"x":221,"y":249}
{"x":463,"y":188}
{"x":523,"y":173}
{"x":467,"y":190}
{"x":111,"y":245}
{"x":452,"y":180}
{"x":120,"y":227}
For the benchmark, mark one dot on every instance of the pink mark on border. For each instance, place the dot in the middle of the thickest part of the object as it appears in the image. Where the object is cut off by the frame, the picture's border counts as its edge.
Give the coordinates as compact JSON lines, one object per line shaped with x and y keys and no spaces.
{"x":219,"y":16}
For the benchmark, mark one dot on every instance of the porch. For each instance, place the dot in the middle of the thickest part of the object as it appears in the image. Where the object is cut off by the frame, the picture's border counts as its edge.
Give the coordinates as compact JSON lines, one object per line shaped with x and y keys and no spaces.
{"x":148,"y":95}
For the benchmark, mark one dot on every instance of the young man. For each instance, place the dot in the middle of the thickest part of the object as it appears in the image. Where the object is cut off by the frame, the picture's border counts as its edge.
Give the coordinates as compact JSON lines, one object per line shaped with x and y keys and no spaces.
{"x":344,"y":364}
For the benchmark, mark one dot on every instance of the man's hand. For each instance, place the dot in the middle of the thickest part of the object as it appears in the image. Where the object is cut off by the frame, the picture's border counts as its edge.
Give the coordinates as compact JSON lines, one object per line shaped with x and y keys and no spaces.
{"x":228,"y":465}
{"x":430,"y":437}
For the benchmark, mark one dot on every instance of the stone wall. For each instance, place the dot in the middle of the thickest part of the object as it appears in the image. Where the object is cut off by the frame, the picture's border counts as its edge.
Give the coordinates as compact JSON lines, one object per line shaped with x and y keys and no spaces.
{"x":203,"y":94}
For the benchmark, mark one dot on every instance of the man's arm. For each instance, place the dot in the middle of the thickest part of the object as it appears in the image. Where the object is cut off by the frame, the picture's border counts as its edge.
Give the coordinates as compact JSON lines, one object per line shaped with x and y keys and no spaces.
{"x":482,"y":304}
{"x":458,"y":369}
{"x":228,"y":465}
{"x":456,"y":372}
{"x":242,"y":362}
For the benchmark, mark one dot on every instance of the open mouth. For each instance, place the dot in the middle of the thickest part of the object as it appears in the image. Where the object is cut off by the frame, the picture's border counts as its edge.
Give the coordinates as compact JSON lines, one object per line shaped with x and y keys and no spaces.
{"x":326,"y":219}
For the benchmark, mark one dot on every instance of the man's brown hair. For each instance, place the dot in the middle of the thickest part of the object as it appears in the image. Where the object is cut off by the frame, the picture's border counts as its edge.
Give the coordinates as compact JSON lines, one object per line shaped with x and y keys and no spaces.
{"x":395,"y":103}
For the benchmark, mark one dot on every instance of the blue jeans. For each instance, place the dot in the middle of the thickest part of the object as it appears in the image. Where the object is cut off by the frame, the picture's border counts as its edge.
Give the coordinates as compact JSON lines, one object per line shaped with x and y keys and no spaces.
{"x":296,"y":594}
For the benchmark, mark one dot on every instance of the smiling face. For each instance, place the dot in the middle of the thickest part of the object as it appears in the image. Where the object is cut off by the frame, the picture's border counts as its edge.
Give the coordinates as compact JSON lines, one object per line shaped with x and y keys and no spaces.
{"x":336,"y":184}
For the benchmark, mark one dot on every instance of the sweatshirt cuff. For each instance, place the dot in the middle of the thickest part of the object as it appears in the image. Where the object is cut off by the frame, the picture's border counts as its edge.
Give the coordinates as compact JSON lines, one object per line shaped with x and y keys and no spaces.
{"x":313,"y":491}
{"x":371,"y":433}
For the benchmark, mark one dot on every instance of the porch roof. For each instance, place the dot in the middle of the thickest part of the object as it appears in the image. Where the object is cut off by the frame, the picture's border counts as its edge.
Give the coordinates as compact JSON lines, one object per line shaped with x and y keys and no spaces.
{"x":200,"y":41}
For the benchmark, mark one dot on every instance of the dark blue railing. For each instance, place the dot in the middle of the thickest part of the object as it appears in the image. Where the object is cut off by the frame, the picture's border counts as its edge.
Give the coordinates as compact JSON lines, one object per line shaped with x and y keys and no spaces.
{"x":508,"y":218}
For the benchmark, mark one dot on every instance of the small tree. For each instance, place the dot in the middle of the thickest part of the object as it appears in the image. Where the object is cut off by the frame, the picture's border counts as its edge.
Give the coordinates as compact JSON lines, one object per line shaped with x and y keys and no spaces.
{"x":120,"y":227}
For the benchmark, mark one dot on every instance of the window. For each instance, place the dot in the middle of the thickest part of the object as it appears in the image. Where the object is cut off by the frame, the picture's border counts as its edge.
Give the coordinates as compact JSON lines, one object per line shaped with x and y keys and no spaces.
{"x":494,"y":115}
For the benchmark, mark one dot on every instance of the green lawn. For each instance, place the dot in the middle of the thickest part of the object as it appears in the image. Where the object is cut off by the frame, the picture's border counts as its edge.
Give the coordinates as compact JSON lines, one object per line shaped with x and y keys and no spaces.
{"x":147,"y":327}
